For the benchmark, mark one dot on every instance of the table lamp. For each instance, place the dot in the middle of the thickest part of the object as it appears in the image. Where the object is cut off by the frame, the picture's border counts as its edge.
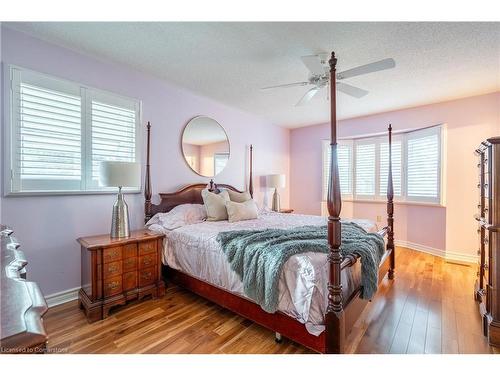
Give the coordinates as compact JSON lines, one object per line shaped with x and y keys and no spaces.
{"x":276,"y":181}
{"x":120,"y":174}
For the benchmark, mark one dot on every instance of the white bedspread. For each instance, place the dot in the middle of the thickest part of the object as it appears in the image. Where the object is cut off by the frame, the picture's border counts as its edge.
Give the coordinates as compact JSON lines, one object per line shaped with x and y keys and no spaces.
{"x":193,"y":249}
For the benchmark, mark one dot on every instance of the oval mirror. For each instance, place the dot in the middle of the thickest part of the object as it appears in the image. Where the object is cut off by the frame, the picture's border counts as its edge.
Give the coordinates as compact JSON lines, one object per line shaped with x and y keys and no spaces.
{"x":205,"y":146}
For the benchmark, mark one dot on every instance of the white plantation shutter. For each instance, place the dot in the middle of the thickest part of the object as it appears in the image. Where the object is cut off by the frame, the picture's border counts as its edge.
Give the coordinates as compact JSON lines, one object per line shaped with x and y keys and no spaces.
{"x":344,"y":153}
{"x":416,"y":166}
{"x":423,"y":176}
{"x":220,"y":161}
{"x":46,"y":141}
{"x":113,"y":135}
{"x":365,"y":168}
{"x":396,"y":167}
{"x":59,"y":132}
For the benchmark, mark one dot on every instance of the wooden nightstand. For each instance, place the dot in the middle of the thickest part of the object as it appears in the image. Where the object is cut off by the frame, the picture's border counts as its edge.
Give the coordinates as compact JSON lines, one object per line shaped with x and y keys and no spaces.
{"x":286,"y":211}
{"x":115,"y":271}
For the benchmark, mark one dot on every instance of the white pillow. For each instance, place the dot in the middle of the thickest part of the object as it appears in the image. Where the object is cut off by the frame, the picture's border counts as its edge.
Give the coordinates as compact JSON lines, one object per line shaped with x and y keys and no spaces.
{"x":241,"y":211}
{"x":215,"y":204}
{"x":179,"y":216}
{"x":239,"y":197}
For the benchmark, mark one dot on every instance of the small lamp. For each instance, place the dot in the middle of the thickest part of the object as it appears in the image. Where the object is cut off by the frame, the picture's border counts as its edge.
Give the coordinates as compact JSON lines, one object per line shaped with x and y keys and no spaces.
{"x":120,"y":174}
{"x":276,"y":181}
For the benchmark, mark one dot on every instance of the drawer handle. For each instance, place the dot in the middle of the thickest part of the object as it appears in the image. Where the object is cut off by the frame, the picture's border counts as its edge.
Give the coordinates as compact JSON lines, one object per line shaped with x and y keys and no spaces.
{"x":113,"y":254}
{"x":113,"y":268}
{"x":148,"y":246}
{"x":146,"y":275}
{"x":129,"y":261}
{"x":147,"y":261}
{"x":113,"y":285}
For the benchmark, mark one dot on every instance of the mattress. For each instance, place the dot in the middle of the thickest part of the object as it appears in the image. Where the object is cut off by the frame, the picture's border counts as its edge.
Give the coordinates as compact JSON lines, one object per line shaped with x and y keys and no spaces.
{"x":193,"y":250}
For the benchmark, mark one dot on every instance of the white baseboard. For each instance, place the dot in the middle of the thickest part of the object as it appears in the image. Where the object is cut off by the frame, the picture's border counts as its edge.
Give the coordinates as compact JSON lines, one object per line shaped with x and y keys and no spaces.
{"x":448,"y":255}
{"x":62,"y":297}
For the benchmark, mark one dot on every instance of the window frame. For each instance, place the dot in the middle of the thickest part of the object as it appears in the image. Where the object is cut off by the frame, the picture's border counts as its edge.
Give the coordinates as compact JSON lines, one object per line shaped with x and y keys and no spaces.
{"x":379,"y":139}
{"x":12,"y":73}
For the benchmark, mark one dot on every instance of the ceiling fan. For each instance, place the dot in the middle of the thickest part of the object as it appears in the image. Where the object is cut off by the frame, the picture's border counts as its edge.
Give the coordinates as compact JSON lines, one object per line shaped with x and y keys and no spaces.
{"x":319,"y":76}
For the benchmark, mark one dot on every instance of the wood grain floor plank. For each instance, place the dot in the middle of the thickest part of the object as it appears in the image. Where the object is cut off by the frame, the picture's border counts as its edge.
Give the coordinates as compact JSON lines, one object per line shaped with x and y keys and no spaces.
{"x":428,"y":308}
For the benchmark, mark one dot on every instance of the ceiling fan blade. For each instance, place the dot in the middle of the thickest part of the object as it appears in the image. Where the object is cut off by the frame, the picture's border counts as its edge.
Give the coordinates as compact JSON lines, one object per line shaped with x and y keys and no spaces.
{"x":368,"y":68}
{"x":313,"y":63}
{"x":286,"y":85}
{"x":351,"y":90}
{"x":308,"y":96}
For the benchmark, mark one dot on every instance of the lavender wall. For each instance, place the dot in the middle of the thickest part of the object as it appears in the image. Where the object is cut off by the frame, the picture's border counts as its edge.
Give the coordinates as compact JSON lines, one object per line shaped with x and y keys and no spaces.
{"x":451,"y":228}
{"x":48,"y":226}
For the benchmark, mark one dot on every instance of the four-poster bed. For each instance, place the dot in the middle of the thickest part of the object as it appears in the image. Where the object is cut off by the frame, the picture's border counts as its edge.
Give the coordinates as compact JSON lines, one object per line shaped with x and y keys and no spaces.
{"x":341,"y":312}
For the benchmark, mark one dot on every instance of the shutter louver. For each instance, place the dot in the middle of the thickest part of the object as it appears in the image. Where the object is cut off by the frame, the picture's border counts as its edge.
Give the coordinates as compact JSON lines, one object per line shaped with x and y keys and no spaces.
{"x":49,"y":135}
{"x":423,"y":166}
{"x":365,"y":169}
{"x":113,"y":135}
{"x":396,"y":167}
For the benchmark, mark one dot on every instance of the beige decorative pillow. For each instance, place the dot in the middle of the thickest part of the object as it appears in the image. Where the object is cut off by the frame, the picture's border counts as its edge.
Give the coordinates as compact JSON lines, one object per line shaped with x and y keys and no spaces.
{"x":241,"y":211}
{"x":215,"y":204}
{"x":239,"y":197}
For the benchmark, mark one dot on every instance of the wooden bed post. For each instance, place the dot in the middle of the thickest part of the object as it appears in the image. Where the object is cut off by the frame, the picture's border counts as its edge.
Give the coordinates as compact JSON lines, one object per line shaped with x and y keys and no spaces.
{"x":334,"y":319}
{"x":147,"y":182}
{"x":250,"y":181}
{"x":390,"y":211}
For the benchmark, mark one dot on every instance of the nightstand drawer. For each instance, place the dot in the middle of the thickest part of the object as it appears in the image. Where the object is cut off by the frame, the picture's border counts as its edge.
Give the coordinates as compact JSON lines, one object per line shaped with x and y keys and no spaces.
{"x":147,"y":276}
{"x":112,"y":269}
{"x":129,"y":280}
{"x":112,"y":254}
{"x":147,"y":247}
{"x":147,"y":260}
{"x":112,"y":286}
{"x":129,"y":264}
{"x":130,"y":250}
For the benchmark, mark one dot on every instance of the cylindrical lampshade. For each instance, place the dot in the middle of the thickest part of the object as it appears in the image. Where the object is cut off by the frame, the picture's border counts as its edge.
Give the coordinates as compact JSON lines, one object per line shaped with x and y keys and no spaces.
{"x":120,"y":173}
{"x":275,"y":181}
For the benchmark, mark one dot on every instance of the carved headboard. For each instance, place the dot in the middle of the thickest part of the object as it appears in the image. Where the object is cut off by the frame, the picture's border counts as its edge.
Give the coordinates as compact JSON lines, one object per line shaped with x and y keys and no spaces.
{"x":188,"y":194}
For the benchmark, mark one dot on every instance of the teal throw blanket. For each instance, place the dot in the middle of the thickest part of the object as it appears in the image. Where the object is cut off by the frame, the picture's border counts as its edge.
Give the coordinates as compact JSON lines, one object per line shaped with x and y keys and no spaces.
{"x":258,"y":256}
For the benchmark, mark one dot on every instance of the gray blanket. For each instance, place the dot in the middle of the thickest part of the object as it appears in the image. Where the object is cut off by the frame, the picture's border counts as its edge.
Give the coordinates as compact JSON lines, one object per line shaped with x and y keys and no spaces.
{"x":258,"y":256}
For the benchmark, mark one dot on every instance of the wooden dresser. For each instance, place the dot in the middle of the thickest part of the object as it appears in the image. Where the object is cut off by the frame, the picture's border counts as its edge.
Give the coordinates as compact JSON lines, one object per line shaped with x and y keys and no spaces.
{"x":487,"y":289}
{"x":115,"y":271}
{"x":22,"y":302}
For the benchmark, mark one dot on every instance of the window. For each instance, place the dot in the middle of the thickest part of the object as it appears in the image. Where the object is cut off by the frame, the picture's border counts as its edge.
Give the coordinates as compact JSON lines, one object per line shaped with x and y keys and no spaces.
{"x":423,"y":165}
{"x":220,"y":161}
{"x":416,"y":167}
{"x":365,"y":169}
{"x":60,"y":131}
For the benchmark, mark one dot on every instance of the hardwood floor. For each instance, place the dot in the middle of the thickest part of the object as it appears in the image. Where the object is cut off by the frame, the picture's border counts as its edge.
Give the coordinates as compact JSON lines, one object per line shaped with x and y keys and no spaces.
{"x":429,"y":308}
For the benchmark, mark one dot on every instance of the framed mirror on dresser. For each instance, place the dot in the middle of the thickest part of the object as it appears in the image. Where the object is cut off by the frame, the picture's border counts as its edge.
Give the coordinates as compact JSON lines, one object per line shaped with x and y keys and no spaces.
{"x":487,"y":288}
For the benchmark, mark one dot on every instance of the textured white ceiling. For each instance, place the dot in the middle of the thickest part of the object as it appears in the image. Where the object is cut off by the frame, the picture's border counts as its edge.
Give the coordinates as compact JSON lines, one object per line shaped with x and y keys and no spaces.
{"x":229,"y":62}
